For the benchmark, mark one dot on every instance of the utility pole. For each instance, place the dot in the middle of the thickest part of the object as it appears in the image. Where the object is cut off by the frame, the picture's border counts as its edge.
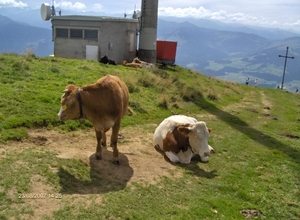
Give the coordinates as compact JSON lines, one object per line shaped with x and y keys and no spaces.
{"x":286,"y":56}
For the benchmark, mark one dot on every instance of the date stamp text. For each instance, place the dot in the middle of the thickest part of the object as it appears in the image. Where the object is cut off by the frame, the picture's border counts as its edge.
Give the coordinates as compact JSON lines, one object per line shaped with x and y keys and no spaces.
{"x":39,"y":196}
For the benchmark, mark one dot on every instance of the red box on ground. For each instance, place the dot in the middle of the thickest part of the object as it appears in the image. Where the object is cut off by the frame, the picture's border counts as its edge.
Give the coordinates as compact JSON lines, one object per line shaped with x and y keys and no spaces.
{"x":166,"y":52}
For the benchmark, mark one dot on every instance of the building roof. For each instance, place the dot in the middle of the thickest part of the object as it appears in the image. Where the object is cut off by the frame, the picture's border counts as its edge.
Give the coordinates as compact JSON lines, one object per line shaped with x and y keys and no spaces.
{"x":92,"y":18}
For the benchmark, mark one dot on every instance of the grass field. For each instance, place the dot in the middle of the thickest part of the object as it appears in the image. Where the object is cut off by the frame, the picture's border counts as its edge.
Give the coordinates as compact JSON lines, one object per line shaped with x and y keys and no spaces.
{"x":48,"y":169}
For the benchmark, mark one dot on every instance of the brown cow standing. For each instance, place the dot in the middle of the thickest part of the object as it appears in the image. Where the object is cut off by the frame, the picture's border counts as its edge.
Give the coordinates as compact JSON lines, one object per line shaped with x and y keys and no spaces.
{"x":103,"y":103}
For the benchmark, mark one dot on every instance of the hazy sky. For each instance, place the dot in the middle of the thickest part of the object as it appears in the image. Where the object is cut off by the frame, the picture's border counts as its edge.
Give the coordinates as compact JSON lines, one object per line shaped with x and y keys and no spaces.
{"x":271,"y":13}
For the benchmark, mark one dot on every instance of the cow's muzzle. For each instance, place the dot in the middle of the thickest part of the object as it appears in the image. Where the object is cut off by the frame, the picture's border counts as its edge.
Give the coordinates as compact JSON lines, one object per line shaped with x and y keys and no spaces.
{"x":206,"y":154}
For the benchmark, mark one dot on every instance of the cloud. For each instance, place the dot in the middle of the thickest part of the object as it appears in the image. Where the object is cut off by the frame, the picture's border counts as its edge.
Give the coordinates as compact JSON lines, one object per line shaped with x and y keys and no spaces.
{"x":184,"y":12}
{"x":220,"y":15}
{"x":223,"y":15}
{"x":97,"y":7}
{"x":294,"y":24}
{"x":12,"y":3}
{"x":69,"y":5}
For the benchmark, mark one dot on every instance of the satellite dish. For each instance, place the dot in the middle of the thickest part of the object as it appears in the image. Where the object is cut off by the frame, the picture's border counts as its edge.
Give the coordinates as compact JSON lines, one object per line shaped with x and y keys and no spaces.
{"x":46,"y":11}
{"x":136,"y":14}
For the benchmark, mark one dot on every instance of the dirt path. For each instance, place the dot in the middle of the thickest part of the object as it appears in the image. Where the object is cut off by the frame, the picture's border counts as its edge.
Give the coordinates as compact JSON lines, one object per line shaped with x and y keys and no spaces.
{"x":247,"y":103}
{"x":136,"y":150}
{"x":139,"y":162}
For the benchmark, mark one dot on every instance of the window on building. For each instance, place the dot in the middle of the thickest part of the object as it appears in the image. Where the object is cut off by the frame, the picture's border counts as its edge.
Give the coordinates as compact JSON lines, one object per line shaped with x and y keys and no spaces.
{"x":62,"y":32}
{"x":76,"y":33}
{"x":91,"y":34}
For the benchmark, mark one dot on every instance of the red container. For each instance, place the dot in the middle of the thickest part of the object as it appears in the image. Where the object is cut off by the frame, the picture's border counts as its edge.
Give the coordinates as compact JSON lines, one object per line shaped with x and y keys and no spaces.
{"x":166,"y":52}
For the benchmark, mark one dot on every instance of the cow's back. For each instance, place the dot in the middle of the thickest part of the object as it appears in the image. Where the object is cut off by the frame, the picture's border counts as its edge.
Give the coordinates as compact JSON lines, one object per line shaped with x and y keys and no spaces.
{"x":109,"y":96}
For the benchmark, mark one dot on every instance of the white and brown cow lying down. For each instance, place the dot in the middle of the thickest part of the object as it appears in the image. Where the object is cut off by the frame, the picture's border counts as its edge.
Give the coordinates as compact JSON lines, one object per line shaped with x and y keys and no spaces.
{"x":134,"y":65}
{"x":143,"y":63}
{"x":181,"y":137}
{"x":103,"y":103}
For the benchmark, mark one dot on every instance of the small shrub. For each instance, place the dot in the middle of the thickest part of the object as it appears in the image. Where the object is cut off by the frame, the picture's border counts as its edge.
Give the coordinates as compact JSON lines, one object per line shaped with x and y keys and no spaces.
{"x":17,"y":66}
{"x":132,"y":88}
{"x":173,"y":99}
{"x":29,"y":55}
{"x":54,"y":69}
{"x":137,"y":107}
{"x":84,"y":67}
{"x":147,"y":80}
{"x":175,"y":79}
{"x":190,"y":94}
{"x":212,"y":97}
{"x":163,"y":102}
{"x":161,"y":73}
{"x":20,"y":65}
{"x":175,"y":105}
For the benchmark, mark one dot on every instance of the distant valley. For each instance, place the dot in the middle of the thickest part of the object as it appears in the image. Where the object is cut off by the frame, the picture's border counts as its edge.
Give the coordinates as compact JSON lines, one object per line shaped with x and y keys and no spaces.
{"x":229,"y":52}
{"x":235,"y":56}
{"x":17,"y":37}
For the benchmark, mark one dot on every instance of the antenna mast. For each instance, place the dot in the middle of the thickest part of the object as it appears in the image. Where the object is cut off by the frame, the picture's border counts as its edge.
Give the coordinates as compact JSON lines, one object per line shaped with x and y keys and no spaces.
{"x":53,"y":9}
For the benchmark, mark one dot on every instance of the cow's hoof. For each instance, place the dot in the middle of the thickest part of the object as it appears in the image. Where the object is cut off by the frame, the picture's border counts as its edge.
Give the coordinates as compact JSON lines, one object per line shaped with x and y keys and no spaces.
{"x":116,"y":162}
{"x":98,"y":157}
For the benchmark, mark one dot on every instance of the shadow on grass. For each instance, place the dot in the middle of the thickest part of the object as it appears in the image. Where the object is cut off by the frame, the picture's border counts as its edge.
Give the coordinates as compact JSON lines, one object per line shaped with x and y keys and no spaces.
{"x":192,"y":168}
{"x":104,"y":176}
{"x":256,"y":135}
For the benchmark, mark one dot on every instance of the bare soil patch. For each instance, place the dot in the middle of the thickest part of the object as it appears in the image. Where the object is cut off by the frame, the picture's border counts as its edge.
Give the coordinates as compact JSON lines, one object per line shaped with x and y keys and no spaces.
{"x":139,"y":162}
{"x":136,"y":148}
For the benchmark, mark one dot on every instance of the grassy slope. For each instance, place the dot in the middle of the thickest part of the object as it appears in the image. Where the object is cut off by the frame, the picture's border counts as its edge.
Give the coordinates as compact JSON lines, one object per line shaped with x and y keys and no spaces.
{"x":255,"y":167}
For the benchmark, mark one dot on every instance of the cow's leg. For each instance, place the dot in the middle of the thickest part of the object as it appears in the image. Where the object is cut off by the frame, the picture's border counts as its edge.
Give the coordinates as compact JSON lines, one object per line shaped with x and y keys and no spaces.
{"x":99,"y":145}
{"x":172,"y":157}
{"x":103,"y":140}
{"x":185,"y":157}
{"x":114,"y":141}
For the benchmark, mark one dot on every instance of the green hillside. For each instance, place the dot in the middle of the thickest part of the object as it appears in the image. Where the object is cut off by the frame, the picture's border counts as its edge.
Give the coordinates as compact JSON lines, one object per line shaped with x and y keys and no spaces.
{"x":47,"y":168}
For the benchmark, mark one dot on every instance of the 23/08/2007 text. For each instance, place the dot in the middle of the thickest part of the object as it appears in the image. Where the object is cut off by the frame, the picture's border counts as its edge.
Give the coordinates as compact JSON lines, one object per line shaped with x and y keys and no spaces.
{"x":39,"y":196}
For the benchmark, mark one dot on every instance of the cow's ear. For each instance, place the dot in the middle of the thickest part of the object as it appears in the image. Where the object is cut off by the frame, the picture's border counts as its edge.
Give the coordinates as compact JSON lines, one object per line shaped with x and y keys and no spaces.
{"x":66,"y":93}
{"x":184,"y":129}
{"x":69,"y":89}
{"x":209,"y":130}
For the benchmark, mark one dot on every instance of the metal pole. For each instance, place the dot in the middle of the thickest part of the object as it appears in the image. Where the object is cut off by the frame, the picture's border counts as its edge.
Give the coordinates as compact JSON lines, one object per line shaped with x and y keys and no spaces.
{"x":286,"y":56}
{"x":287,"y":49}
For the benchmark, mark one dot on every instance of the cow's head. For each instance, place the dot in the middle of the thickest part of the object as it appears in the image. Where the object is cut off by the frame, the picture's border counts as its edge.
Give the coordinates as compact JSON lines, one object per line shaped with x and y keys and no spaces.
{"x":198,"y":135}
{"x":69,"y":108}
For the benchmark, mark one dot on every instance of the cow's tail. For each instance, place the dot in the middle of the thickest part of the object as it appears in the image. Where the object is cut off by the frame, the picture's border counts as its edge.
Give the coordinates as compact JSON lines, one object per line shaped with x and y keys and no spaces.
{"x":130,"y":111}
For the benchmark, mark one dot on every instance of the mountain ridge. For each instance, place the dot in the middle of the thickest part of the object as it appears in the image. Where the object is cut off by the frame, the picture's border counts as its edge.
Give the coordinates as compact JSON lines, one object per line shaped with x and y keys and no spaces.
{"x":269,"y":33}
